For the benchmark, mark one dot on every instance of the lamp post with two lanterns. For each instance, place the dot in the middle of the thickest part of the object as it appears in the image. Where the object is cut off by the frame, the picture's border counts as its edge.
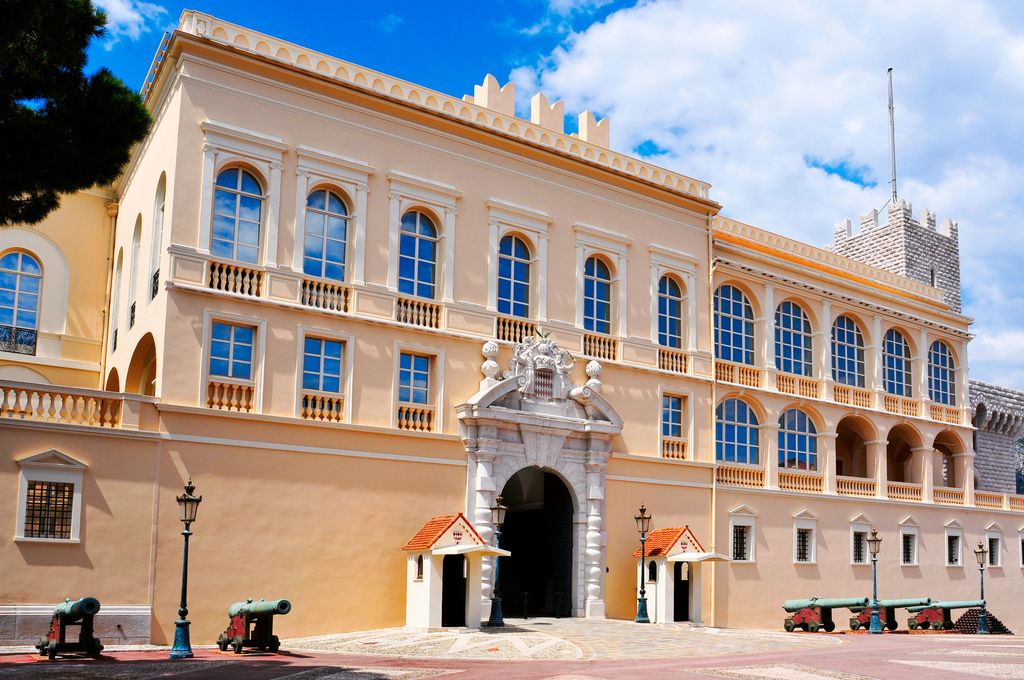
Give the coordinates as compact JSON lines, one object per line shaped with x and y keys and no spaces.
{"x":188,"y":506}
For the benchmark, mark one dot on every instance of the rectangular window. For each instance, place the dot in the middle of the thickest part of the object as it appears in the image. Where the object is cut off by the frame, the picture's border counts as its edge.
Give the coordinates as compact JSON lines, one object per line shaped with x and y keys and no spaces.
{"x":860,"y":547}
{"x":413,"y":378}
{"x":231,"y":350}
{"x":804,"y":542}
{"x":671,"y":416}
{"x":48,"y":509}
{"x":908,"y":548}
{"x":741,"y":543}
{"x":994,"y":550}
{"x":952,"y":550}
{"x":321,"y":365}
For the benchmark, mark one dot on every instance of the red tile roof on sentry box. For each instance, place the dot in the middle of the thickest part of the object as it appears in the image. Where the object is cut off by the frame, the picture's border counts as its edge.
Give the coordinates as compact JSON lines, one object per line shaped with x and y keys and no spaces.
{"x":660,"y":541}
{"x":434,"y":529}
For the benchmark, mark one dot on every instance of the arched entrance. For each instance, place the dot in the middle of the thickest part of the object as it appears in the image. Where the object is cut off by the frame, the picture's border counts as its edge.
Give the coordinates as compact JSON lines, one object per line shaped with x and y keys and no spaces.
{"x":537,"y":579}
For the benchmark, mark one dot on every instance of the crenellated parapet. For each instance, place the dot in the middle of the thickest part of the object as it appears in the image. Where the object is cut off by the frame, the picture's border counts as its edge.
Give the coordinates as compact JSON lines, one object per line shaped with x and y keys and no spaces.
{"x":998,"y":413}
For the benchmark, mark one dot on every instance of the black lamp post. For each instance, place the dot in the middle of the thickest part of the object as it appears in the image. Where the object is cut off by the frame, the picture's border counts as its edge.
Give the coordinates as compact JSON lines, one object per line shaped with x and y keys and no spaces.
{"x":874,"y":545}
{"x":643,"y":525}
{"x":982,"y":554}
{"x":497,"y":519}
{"x":188,"y":505}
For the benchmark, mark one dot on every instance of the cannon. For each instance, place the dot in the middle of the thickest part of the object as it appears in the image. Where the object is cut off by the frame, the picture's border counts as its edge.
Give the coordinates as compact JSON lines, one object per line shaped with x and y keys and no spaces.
{"x":252,"y":625}
{"x":816,"y":613}
{"x":886,"y":612}
{"x":71,"y":613}
{"x":936,"y":614}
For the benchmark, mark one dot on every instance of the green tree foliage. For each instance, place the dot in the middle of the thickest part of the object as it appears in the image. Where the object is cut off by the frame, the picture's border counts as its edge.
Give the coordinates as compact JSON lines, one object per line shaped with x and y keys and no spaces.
{"x":60,"y":130}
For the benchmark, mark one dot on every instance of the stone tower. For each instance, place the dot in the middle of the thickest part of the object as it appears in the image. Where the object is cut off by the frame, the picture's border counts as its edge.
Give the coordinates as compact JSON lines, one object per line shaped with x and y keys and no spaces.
{"x":998,"y":413}
{"x":904,"y":245}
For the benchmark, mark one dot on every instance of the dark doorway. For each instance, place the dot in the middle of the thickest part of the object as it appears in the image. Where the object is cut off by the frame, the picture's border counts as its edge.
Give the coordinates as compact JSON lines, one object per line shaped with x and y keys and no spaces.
{"x":681,"y":592}
{"x":453,"y":591}
{"x":537,"y":579}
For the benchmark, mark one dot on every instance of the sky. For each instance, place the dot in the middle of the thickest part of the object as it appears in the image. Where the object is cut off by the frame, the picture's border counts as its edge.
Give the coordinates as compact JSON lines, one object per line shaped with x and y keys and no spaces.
{"x":781,"y":106}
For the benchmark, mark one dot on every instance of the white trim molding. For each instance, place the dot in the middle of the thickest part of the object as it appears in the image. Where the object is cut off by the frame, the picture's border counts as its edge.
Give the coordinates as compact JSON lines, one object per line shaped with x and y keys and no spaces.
{"x":591,"y":240}
{"x":50,"y":466}
{"x":745,"y":517}
{"x":503,"y":218}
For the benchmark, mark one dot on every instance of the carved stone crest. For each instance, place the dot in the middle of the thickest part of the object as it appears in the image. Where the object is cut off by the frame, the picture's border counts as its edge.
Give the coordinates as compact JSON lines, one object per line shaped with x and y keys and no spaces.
{"x":541,"y":369}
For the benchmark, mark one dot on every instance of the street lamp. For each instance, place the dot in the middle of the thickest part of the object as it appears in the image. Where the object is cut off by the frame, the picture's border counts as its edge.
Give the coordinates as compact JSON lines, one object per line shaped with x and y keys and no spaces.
{"x":643,"y":525}
{"x":982,"y":554}
{"x":188,"y":505}
{"x":874,"y":545}
{"x":497,"y":519}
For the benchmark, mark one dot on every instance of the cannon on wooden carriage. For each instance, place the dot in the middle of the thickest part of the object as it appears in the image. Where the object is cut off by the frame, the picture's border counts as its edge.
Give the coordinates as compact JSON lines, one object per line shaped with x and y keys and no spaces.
{"x":72,"y":613}
{"x":936,"y":614}
{"x":886,"y":612}
{"x":252,"y":625}
{"x":816,"y":613}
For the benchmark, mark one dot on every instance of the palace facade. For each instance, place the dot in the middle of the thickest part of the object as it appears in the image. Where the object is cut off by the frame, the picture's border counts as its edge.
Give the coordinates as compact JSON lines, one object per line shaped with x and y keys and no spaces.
{"x":343,"y":304}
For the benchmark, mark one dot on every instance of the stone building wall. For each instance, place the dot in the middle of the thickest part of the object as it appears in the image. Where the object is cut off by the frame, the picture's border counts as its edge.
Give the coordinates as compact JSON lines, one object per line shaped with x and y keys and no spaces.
{"x":998,"y":413}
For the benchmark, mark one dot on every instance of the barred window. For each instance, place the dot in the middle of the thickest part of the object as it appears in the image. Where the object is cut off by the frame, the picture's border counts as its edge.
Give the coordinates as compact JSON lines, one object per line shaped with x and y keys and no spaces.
{"x":734,"y":326}
{"x":798,"y":441}
{"x":513,"y":277}
{"x":736,"y":433}
{"x":908,"y":545}
{"x":941,"y":374}
{"x":792,"y":339}
{"x":48,"y":509}
{"x":670,"y":313}
{"x":597,"y":296}
{"x":953,"y":550}
{"x":804,"y":538}
{"x":860,"y":544}
{"x":740,"y":543}
{"x":417,"y":255}
{"x":994,"y":551}
{"x":847,"y":352}
{"x":896,"y":362}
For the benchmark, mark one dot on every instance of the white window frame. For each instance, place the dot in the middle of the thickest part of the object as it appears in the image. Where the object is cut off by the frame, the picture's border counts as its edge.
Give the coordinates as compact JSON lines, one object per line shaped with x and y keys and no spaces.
{"x":743,"y":516}
{"x":807,"y":521}
{"x":226,"y":145}
{"x":323,"y":170}
{"x":348,"y":342}
{"x":590,"y":241}
{"x":865,"y":528}
{"x":665,"y":261}
{"x":259,"y":354}
{"x":909,"y":530}
{"x":687,"y":419}
{"x":436,"y":387}
{"x":954,"y":529}
{"x":994,"y":532}
{"x":409,"y":192}
{"x":508,"y":218}
{"x":50,"y":466}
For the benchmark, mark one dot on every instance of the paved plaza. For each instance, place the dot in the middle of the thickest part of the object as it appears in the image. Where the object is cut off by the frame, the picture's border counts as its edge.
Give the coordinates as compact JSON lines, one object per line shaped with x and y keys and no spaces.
{"x":566,"y":649}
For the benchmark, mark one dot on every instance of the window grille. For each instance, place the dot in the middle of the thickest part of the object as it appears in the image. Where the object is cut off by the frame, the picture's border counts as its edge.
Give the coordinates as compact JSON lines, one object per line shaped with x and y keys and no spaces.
{"x":859,"y":547}
{"x":740,"y":546}
{"x":48,"y":508}
{"x":993,"y":551}
{"x":803,"y":544}
{"x":953,"y":550}
{"x":909,"y":548}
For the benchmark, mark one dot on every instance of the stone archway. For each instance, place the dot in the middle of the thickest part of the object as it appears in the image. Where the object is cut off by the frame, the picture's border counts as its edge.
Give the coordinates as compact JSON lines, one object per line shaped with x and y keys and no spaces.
{"x":533,"y":416}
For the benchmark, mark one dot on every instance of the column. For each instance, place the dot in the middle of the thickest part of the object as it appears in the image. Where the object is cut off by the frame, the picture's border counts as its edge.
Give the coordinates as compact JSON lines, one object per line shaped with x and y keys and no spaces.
{"x":395,"y":213}
{"x":492,"y":266}
{"x":873,"y":358}
{"x":968,"y":483}
{"x":767,"y":339}
{"x":921,"y":371}
{"x":962,"y":376}
{"x":655,"y":277}
{"x":359,"y":236}
{"x":768,"y":438}
{"x":823,"y":340}
{"x":691,"y":305}
{"x":827,"y":459}
{"x":542,"y":277}
{"x":623,"y":330}
{"x":299,"y":227}
{"x":926,"y":464}
{"x":594,"y":555}
{"x":878,"y":464}
{"x":581,"y":257}
{"x":483,"y":488}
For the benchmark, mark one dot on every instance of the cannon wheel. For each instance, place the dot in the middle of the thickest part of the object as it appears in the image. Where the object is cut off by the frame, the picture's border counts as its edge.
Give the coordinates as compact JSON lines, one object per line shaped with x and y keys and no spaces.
{"x":892,"y":625}
{"x":830,"y":626}
{"x":803,"y":627}
{"x":912,"y":624}
{"x":222,"y":642}
{"x":854,"y":624}
{"x":275,"y":643}
{"x":788,"y":625}
{"x":41,"y":646}
{"x":812,"y":627}
{"x":947,"y":626}
{"x":51,"y":650}
{"x":95,"y":648}
{"x":936,"y":625}
{"x":236,"y":644}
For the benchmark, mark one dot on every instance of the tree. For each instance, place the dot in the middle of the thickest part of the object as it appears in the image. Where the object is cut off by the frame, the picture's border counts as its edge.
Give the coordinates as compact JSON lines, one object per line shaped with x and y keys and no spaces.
{"x":60,"y":130}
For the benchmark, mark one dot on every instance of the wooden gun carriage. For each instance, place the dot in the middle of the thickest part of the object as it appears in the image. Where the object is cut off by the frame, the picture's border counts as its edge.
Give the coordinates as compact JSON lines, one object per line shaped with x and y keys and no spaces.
{"x":936,"y":615}
{"x":252,"y":625}
{"x":816,"y":613}
{"x":886,"y":612}
{"x":72,"y":613}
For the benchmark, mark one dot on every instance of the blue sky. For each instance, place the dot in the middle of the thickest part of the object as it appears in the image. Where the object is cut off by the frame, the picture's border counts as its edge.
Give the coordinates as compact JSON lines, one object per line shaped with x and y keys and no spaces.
{"x":781,"y":106}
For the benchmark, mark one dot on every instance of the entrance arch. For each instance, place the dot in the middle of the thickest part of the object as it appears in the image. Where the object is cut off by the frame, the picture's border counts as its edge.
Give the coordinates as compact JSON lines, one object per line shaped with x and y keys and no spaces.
{"x":537,"y":580}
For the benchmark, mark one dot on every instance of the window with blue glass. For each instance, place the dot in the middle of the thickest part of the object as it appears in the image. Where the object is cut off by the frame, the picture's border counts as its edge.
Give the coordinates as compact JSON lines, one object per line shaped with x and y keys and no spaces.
{"x":670,"y":313}
{"x":896,"y":364}
{"x":792,"y":339}
{"x":734,"y":326}
{"x":21,"y":278}
{"x":417,"y":255}
{"x":231,"y":350}
{"x":736,"y":433}
{"x":941,"y":374}
{"x":513,"y":277}
{"x":672,"y":415}
{"x":798,"y":441}
{"x":323,"y":253}
{"x":237,"y":209}
{"x":413,"y":378}
{"x":321,"y":365}
{"x":597,"y":296}
{"x":847,"y":352}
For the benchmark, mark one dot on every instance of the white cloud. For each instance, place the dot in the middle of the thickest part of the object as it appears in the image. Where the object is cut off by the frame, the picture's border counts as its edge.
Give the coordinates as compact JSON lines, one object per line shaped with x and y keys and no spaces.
{"x":129,"y":19}
{"x":740,"y":93}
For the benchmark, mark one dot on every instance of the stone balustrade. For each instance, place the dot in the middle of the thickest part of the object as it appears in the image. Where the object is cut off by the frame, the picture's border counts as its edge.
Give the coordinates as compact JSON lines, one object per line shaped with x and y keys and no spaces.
{"x":673,"y":447}
{"x":415,"y":417}
{"x":672,"y":360}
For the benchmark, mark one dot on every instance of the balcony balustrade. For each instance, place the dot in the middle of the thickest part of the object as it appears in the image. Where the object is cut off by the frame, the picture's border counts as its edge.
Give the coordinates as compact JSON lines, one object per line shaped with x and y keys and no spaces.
{"x":25,"y":401}
{"x":415,"y":417}
{"x":673,"y":447}
{"x":325,"y":295}
{"x":853,"y":396}
{"x":804,"y":482}
{"x":512,"y":329}
{"x":903,"y":406}
{"x":235,"y":278}
{"x":948,"y":496}
{"x":230,"y":396}
{"x":987,"y":499}
{"x":860,"y":487}
{"x":945,"y":414}
{"x":673,"y":360}
{"x":743,"y":476}
{"x":323,"y":407}
{"x":416,"y":312}
{"x":797,"y":385}
{"x":739,"y":374}
{"x":906,"y":491}
{"x":600,"y":346}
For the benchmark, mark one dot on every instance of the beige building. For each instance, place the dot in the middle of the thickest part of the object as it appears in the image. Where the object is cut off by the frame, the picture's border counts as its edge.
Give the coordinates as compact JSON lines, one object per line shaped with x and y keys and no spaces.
{"x":344,"y":304}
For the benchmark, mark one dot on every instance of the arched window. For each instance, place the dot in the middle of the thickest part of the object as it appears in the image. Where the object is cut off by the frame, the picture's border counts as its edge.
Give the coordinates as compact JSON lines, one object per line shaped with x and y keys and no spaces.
{"x":159,"y":204}
{"x":941,"y":374}
{"x":847,"y":352}
{"x":670,"y":313}
{"x":734,"y":326}
{"x":792,"y":339}
{"x":237,"y":213}
{"x":115,"y":305}
{"x":896,"y":364}
{"x":513,"y":277}
{"x":597,"y":296}
{"x":21,"y":279}
{"x":419,"y":567}
{"x":652,"y":572}
{"x":133,"y":270}
{"x":736,"y":433}
{"x":798,"y":441}
{"x":417,"y":255}
{"x":323,"y":250}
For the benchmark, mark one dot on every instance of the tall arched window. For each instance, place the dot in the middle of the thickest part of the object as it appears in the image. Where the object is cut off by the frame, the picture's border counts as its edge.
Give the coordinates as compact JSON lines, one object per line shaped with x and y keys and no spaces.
{"x":896,"y":364}
{"x":670,"y":313}
{"x":237,"y":214}
{"x":792,"y":339}
{"x":798,"y":441}
{"x":133,"y":270}
{"x":736,"y":432}
{"x":323,"y":250}
{"x":21,"y":280}
{"x":513,"y":277}
{"x":941,"y":374}
{"x":159,"y":205}
{"x":115,"y":305}
{"x":847,"y":352}
{"x":597,"y":296}
{"x":734,"y":326}
{"x":417,"y":255}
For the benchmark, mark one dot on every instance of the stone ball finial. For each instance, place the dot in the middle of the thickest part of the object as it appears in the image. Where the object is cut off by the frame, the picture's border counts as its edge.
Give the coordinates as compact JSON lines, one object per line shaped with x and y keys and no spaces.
{"x":490,"y":366}
{"x":594,"y":373}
